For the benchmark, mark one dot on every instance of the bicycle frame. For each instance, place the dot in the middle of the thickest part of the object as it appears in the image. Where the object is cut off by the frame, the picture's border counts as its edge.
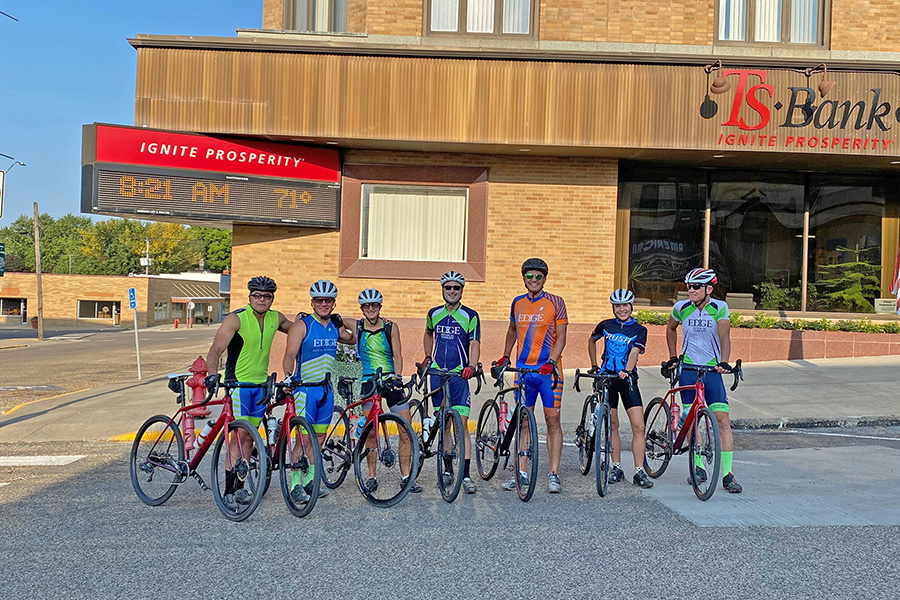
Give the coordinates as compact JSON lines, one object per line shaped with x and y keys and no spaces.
{"x":520,"y":387}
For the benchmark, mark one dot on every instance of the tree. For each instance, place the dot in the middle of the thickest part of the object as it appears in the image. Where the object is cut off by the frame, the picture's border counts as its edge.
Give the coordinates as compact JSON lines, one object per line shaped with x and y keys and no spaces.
{"x":216,"y":247}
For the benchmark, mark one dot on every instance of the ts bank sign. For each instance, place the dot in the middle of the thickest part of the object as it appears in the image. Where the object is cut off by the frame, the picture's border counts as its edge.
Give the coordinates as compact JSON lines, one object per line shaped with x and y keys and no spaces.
{"x":802,"y":119}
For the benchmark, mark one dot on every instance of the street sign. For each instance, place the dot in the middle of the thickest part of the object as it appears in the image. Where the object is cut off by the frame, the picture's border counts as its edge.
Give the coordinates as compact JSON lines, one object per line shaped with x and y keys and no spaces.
{"x":2,"y":259}
{"x":2,"y":187}
{"x":132,"y":299}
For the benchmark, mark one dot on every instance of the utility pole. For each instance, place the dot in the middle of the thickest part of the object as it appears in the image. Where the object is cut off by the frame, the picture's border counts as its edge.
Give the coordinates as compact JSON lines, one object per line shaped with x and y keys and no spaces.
{"x":147,"y":256}
{"x":37,"y":271}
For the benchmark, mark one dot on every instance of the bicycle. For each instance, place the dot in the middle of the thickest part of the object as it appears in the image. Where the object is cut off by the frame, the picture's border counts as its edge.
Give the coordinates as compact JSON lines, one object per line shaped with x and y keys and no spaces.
{"x":380,"y":436}
{"x":493,"y":437}
{"x":294,"y":453}
{"x":596,"y":415}
{"x":445,"y":428}
{"x":158,"y":452}
{"x":663,"y":441}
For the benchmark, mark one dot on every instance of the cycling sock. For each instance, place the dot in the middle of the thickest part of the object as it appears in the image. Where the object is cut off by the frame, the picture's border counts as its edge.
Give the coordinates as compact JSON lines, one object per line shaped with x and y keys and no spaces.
{"x":638,"y":470}
{"x":229,"y":482}
{"x":466,"y":467}
{"x":448,"y":464}
{"x":617,"y":465}
{"x":297,"y":478}
{"x":698,"y":461}
{"x":726,"y":462}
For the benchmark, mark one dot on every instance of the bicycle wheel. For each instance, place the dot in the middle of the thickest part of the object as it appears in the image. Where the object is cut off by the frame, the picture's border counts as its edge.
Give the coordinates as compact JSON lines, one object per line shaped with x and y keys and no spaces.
{"x":157,"y":460}
{"x":658,"y":437}
{"x":487,"y":439}
{"x":602,"y":448}
{"x":300,"y":467}
{"x":381,"y":456}
{"x":451,"y":452}
{"x":336,"y":450}
{"x":254,"y":459}
{"x":526,"y":453}
{"x":584,"y":435}
{"x":705,"y":453}
{"x":417,"y":416}
{"x":237,"y":479}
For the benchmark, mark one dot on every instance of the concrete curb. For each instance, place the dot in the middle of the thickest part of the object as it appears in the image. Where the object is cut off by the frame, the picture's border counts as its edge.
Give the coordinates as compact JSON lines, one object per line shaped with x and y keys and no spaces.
{"x":814,"y":423}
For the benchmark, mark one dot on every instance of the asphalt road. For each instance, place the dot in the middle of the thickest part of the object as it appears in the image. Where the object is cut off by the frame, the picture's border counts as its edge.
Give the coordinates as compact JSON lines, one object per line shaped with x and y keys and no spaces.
{"x":78,"y":531}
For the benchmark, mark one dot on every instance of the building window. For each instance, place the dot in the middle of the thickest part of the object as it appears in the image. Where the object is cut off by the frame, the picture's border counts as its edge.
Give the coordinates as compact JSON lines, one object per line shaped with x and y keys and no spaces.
{"x":12,"y":307}
{"x":494,"y":17}
{"x":160,"y":311}
{"x":316,"y":15}
{"x":177,"y":310}
{"x":413,"y":223}
{"x":772,"y":21}
{"x":97,"y":309}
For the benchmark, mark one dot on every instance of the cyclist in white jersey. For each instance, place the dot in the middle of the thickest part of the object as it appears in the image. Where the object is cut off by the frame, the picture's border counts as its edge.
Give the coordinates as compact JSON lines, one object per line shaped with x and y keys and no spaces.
{"x":706,"y":340}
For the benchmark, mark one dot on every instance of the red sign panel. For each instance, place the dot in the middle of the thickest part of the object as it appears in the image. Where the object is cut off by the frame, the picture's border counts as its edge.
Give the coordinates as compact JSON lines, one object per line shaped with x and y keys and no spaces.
{"x":198,"y":152}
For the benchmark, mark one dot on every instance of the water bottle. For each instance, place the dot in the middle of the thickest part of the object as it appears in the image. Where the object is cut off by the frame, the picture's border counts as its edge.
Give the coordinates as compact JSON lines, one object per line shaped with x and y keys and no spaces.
{"x":272,"y":428}
{"x":204,"y":434}
{"x":359,"y":427}
{"x":676,"y":416}
{"x":427,"y":423}
{"x":503,"y":416}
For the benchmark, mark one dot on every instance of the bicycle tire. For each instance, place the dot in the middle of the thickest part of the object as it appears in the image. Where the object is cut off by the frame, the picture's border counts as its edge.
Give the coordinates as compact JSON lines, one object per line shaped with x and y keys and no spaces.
{"x":387,"y":460}
{"x":456,"y":454}
{"x":252,"y":475}
{"x":308,"y":462}
{"x":271,"y":464}
{"x":417,"y":422}
{"x":584,"y":437}
{"x":705,"y":442}
{"x":525,"y":488}
{"x":147,"y":446}
{"x":488,"y":439}
{"x":657,"y":437}
{"x":603,"y":448}
{"x":337,"y":452}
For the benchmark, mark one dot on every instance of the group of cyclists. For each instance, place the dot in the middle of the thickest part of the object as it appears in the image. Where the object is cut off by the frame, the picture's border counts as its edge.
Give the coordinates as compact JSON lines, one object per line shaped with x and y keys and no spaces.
{"x":452,"y":341}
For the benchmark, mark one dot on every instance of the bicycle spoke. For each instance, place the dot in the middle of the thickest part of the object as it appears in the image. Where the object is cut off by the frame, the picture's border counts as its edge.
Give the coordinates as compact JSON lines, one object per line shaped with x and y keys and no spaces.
{"x":384,"y":458}
{"x":157,"y":461}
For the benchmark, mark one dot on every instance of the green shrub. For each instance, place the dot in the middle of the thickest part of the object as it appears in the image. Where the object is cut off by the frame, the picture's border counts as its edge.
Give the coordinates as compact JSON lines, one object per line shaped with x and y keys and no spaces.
{"x":649,"y":317}
{"x":764,"y":321}
{"x":736,"y":319}
{"x":891,"y":327}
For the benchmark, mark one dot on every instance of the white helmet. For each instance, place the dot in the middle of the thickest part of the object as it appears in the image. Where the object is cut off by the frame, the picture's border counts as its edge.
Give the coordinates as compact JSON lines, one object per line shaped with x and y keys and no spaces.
{"x":453,"y":276}
{"x":323,"y":289}
{"x":370,"y":296}
{"x":621,"y":296}
{"x":702,"y":276}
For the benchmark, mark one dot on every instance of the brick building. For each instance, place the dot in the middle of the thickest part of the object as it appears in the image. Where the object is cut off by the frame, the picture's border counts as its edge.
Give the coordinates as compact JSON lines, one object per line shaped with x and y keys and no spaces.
{"x":624,"y":142}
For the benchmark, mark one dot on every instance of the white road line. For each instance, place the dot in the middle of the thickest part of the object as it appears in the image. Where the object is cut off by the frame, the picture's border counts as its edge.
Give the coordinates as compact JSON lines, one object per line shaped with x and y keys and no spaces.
{"x":2,"y":483}
{"x":845,"y":435}
{"x":39,"y":461}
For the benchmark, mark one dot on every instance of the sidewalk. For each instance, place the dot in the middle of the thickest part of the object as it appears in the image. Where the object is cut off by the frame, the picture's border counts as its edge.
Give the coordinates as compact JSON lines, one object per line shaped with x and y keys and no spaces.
{"x":819,"y":393}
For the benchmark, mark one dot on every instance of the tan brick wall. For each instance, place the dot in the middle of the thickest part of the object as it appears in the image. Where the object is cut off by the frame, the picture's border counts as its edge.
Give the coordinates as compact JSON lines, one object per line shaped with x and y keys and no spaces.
{"x":395,"y":17}
{"x":273,"y":14}
{"x":627,"y":21}
{"x":865,"y":25}
{"x":562,"y":209}
{"x":356,"y":16}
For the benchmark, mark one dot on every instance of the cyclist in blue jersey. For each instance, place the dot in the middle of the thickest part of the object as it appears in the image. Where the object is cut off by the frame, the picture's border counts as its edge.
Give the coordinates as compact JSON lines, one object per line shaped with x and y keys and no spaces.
{"x":453,"y":341}
{"x":706,"y":340}
{"x":310,"y":354}
{"x":624,"y":339}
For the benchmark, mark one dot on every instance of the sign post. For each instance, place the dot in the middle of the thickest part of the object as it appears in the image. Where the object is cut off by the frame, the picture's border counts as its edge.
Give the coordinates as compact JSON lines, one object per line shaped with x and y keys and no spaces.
{"x":2,"y":259}
{"x":132,"y":303}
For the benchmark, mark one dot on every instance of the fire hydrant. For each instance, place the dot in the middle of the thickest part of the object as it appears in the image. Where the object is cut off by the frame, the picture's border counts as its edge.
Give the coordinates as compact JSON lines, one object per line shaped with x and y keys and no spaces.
{"x":195,"y":382}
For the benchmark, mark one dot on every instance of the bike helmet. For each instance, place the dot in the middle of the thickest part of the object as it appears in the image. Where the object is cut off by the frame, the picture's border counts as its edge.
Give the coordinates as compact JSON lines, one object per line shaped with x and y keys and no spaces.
{"x":370,"y":296}
{"x":703,"y":276}
{"x":621,"y":296}
{"x":453,"y":276}
{"x":323,"y":289}
{"x":262,"y":284}
{"x":534,"y":264}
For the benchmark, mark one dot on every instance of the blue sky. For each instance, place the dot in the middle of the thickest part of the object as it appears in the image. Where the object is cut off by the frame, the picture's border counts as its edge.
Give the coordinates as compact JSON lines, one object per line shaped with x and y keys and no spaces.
{"x":69,"y":63}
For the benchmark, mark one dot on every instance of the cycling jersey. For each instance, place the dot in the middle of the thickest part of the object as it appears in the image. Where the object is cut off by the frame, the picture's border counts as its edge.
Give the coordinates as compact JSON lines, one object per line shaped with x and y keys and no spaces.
{"x":454,"y":331}
{"x":248,"y":350}
{"x":374,"y":349}
{"x":700,"y":331}
{"x":536,"y":320}
{"x":618,"y":339}
{"x":315,"y":360}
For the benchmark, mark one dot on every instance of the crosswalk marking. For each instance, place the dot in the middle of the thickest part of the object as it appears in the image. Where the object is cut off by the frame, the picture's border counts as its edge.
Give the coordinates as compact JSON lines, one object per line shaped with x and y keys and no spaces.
{"x":39,"y":461}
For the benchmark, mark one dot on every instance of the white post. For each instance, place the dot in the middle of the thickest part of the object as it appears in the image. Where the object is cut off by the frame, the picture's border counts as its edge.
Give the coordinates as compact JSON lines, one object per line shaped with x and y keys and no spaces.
{"x":137,"y":343}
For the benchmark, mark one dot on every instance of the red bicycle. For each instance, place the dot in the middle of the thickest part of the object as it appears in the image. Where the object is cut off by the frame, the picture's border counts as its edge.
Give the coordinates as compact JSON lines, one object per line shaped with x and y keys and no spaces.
{"x":160,"y":462}
{"x":663,"y":440}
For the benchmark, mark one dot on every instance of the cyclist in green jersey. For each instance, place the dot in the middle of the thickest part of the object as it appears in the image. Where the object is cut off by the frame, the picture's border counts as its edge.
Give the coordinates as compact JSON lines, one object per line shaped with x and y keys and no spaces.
{"x":247,"y":335}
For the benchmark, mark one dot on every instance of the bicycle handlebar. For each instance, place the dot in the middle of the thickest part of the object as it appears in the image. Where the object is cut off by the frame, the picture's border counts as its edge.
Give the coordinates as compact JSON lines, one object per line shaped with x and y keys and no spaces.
{"x":673,"y":373}
{"x":498,"y":378}
{"x":423,"y":369}
{"x":601,"y":376}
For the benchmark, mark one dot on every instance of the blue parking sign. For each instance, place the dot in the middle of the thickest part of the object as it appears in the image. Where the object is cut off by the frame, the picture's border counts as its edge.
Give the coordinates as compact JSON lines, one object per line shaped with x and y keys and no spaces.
{"x":132,"y":299}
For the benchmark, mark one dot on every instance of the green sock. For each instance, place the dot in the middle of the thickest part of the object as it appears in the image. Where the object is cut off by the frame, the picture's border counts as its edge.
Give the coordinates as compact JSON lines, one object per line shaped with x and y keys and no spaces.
{"x":698,"y":461}
{"x":308,"y":475}
{"x":726,"y":462}
{"x":296,"y":479}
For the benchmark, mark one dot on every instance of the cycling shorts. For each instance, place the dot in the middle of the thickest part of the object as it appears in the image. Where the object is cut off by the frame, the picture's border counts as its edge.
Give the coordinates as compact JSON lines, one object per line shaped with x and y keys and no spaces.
{"x":535,"y":384}
{"x":243,"y":405}
{"x":392,"y":397}
{"x":714,"y":388}
{"x":460,"y":400}
{"x":317,"y":403}
{"x":631,"y":397}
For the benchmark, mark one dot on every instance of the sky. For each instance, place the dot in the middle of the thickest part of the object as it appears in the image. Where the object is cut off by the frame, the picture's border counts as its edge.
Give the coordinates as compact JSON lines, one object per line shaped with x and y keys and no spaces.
{"x":66,"y":64}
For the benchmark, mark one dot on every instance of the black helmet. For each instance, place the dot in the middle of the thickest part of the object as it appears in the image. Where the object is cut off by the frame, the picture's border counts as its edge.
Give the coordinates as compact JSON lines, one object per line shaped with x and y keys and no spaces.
{"x":262,"y":283}
{"x":534,"y":264}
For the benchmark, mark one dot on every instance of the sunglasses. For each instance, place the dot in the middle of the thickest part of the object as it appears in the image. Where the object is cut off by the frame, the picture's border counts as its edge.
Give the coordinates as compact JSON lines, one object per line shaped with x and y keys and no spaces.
{"x":452,"y":288}
{"x":370,"y":305}
{"x":696,"y":286}
{"x":537,"y":276}
{"x":323,"y":300}
{"x":262,"y":296}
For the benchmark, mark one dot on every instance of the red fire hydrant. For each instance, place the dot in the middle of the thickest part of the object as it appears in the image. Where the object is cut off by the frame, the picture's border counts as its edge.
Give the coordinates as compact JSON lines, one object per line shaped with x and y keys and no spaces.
{"x":195,"y":382}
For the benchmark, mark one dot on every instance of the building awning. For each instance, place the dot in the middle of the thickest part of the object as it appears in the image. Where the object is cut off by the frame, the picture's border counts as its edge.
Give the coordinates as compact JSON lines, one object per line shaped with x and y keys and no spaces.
{"x":205,"y":293}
